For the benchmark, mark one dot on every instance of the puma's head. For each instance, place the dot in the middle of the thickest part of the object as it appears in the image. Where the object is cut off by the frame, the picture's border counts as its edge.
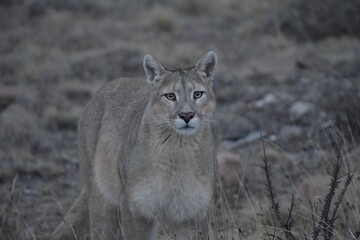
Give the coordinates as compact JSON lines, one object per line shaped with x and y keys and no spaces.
{"x":181,"y":99}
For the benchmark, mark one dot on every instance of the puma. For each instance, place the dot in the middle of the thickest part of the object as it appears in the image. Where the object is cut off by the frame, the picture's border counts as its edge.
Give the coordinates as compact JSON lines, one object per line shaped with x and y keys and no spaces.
{"x":147,"y":156}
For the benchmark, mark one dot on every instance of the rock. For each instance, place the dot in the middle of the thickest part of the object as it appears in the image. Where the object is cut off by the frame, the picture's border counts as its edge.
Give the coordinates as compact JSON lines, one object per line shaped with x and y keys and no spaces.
{"x":290,"y":133}
{"x":300,"y":109}
{"x":231,"y":169}
{"x":225,"y":94}
{"x":268,"y":99}
{"x":233,"y":126}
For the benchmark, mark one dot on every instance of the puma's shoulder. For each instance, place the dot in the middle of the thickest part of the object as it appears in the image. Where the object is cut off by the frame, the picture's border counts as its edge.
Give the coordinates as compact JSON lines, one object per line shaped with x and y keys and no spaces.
{"x":114,"y":98}
{"x":124,"y":89}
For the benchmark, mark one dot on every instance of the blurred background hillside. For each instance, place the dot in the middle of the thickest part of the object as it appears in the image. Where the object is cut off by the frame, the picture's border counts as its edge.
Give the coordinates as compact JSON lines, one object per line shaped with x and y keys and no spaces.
{"x":289,"y":69}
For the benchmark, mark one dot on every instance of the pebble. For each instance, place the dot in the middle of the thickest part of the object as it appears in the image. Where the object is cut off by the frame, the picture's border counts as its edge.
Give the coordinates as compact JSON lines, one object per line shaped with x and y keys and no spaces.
{"x":300,"y":109}
{"x":266,"y":100}
{"x":234,"y":127}
{"x":290,"y":132}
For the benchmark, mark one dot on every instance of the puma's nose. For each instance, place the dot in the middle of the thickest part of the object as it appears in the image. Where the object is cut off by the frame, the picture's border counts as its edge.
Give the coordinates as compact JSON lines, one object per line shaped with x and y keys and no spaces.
{"x":186,"y":116}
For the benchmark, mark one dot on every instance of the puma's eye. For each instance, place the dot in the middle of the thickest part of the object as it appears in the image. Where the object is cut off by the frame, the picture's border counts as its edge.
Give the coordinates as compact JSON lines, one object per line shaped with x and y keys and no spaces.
{"x":170,"y":96}
{"x":198,"y":94}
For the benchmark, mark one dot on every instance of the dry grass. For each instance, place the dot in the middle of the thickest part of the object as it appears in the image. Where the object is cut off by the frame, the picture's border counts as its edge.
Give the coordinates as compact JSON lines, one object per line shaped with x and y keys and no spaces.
{"x":307,"y":20}
{"x":163,"y":18}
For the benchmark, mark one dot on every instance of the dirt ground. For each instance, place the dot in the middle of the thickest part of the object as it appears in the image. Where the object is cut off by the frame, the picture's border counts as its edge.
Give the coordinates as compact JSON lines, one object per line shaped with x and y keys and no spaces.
{"x":301,"y":91}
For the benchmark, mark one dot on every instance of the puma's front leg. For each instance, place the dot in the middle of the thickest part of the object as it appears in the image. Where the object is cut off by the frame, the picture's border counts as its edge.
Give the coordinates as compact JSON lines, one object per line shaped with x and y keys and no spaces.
{"x":104,"y":217}
{"x":134,"y":226}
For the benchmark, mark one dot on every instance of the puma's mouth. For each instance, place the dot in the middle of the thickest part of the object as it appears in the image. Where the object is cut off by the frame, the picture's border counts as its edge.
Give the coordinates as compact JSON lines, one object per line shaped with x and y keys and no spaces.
{"x":187,"y":128}
{"x":187,"y":131}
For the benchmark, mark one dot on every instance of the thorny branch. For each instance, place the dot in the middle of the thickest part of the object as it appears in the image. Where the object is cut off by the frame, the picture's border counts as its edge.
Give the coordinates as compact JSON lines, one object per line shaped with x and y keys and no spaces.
{"x":286,"y":226}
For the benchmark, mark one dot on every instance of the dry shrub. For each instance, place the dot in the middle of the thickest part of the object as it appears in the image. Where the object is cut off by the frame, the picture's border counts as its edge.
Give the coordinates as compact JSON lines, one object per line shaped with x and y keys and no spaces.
{"x":107,"y":64}
{"x":18,"y":127}
{"x":162,"y":18}
{"x":313,"y":20}
{"x":192,"y":7}
{"x":325,"y":220}
{"x":341,"y":100}
{"x":39,"y":7}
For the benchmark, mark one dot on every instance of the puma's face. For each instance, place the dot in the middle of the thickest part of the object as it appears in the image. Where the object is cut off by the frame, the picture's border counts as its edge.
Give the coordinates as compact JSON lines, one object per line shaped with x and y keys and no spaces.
{"x":182,"y":99}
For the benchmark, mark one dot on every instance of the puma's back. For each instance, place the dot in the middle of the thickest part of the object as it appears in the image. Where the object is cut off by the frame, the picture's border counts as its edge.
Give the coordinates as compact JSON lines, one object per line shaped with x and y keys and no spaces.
{"x":147,"y":154}
{"x":113,"y":116}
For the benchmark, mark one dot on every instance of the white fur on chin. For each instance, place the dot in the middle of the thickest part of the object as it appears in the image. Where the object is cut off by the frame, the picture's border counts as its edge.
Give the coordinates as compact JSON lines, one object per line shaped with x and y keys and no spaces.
{"x":187,"y":129}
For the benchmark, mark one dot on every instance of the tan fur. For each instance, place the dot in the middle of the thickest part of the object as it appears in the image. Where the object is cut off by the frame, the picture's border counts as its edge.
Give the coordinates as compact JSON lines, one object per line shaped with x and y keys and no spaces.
{"x":142,"y":166}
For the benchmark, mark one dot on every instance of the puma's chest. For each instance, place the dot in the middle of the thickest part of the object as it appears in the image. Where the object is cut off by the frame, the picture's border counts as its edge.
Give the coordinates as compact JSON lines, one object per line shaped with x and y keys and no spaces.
{"x":172,"y":191}
{"x":172,"y":200}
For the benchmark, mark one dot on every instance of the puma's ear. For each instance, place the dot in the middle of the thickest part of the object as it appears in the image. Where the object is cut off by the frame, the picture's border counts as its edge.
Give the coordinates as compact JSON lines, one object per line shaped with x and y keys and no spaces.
{"x":206,"y":65}
{"x":153,"y":69}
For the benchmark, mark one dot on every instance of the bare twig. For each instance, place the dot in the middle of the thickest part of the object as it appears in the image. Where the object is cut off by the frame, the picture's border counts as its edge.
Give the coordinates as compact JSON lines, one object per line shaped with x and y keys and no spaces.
{"x":339,"y":199}
{"x":13,"y":185}
{"x":312,"y":214}
{"x":8,"y":202}
{"x":292,"y":204}
{"x":352,"y":236}
{"x":324,"y":217}
{"x":286,"y":226}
